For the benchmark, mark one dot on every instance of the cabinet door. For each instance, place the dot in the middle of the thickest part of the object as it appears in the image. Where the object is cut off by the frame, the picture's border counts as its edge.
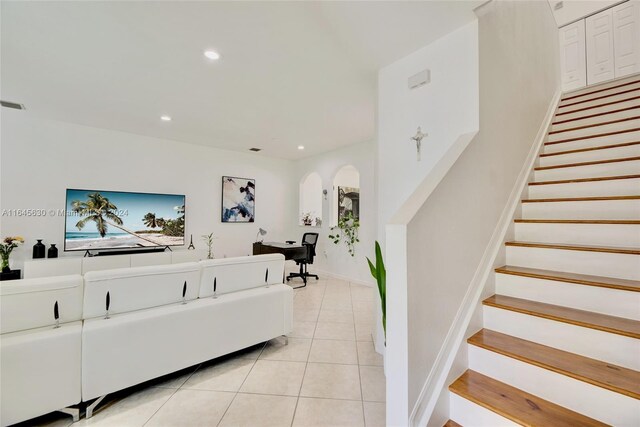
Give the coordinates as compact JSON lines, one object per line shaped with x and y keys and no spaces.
{"x":572,"y":56}
{"x":626,"y":36}
{"x":600,"y":62}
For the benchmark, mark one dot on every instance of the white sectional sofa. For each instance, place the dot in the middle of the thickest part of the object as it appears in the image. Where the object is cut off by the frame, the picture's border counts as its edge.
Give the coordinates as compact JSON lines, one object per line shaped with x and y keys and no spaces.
{"x":160,"y":319}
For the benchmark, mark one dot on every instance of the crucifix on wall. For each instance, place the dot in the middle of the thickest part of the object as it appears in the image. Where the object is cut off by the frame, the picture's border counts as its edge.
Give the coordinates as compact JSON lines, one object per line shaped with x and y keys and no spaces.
{"x":418,"y":140}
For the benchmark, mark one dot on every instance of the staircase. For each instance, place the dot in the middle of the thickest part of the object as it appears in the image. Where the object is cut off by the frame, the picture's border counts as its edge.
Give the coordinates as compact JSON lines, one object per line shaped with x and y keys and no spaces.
{"x":561,"y":339}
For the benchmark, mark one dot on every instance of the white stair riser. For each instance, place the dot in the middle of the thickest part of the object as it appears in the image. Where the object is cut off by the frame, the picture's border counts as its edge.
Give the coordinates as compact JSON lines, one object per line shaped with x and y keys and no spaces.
{"x":613,"y":98}
{"x":595,"y":209}
{"x":613,"y":302}
{"x":598,"y":110}
{"x":591,"y":156}
{"x":596,"y":120}
{"x":617,"y":187}
{"x":613,"y":348}
{"x":618,"y":235}
{"x":609,"y":84}
{"x":578,"y":133}
{"x":589,"y":171}
{"x":603,"y":91}
{"x":586,"y":399}
{"x":467,"y":413}
{"x":579,"y":144}
{"x":621,"y":266}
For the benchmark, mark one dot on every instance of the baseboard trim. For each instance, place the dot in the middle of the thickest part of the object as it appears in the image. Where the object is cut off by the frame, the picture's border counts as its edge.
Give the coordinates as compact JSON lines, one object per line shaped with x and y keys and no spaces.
{"x":436,"y":380}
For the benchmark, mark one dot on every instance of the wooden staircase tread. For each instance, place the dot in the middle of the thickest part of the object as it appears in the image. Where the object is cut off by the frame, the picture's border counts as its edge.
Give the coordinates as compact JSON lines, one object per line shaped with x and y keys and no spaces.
{"x":582,"y":150}
{"x":595,"y":162}
{"x":578,"y":221}
{"x":582,"y":101}
{"x":580,"y":180}
{"x":451,"y":423}
{"x":595,"y":135}
{"x":596,"y":372}
{"x":605,"y":104}
{"x":514,"y":404}
{"x":587,"y":319}
{"x":582,"y":248}
{"x":582,"y":199}
{"x":600,"y":90}
{"x":579,"y":279}
{"x":590,"y":116}
{"x":592,"y":125}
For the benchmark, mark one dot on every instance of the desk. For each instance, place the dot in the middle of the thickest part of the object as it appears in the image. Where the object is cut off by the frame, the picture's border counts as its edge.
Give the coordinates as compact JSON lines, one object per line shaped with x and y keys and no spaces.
{"x":290,"y":252}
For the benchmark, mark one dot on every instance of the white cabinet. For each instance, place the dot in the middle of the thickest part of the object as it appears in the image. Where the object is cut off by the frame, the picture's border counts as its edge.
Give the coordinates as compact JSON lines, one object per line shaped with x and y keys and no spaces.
{"x":601,"y":47}
{"x":626,"y":33}
{"x":572,"y":56}
{"x":600,"y":59}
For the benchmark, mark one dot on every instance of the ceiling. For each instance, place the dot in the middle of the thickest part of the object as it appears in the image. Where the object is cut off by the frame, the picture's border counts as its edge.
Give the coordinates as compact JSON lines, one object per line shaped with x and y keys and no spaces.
{"x":290,"y":73}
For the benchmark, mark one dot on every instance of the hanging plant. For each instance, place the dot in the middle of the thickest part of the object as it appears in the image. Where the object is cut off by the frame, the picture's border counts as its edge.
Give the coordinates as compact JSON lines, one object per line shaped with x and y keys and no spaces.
{"x":347,"y":232}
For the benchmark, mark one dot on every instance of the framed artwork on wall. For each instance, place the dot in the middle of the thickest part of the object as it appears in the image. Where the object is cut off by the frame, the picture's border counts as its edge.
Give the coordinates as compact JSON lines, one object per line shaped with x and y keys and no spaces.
{"x":238,"y":199}
{"x":348,"y":202}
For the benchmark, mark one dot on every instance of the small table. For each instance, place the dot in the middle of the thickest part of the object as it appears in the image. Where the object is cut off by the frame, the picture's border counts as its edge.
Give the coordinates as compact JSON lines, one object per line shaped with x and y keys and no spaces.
{"x":11,"y":275}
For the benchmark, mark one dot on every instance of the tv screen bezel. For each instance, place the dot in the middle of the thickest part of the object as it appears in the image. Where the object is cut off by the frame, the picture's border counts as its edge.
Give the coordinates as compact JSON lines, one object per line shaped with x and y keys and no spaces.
{"x":127,"y":248}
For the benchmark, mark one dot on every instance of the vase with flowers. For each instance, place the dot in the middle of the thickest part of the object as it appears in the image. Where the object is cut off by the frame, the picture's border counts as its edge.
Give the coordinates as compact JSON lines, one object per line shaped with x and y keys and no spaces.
{"x":6,"y":247}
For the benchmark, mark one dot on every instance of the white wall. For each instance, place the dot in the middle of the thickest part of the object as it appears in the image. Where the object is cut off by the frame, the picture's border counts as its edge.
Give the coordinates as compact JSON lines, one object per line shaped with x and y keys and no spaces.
{"x":573,"y":10}
{"x":335,"y":258}
{"x":41,"y":158}
{"x":445,"y":109}
{"x":311,"y":197}
{"x":447,"y":238}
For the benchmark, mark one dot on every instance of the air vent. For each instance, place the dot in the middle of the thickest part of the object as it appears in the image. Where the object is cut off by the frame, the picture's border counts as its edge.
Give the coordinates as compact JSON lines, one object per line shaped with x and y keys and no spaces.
{"x":255,"y":149}
{"x":13,"y":105}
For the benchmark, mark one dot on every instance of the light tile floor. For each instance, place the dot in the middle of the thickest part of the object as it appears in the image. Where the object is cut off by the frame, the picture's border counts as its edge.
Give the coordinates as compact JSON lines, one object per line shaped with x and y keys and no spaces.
{"x":328,"y":375}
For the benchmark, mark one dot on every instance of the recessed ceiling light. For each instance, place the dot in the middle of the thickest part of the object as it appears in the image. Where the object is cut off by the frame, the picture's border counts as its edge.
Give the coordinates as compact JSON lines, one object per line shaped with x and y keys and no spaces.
{"x":212,"y":54}
{"x":300,"y":147}
{"x":165,"y":118}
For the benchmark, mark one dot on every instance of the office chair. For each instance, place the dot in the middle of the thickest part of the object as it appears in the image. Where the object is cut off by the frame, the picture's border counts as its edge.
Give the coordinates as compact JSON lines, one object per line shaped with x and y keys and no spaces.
{"x":309,"y":240}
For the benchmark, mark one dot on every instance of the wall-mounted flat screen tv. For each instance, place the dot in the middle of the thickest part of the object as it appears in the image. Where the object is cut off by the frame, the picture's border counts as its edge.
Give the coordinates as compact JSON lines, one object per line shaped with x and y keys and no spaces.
{"x":97,"y":220}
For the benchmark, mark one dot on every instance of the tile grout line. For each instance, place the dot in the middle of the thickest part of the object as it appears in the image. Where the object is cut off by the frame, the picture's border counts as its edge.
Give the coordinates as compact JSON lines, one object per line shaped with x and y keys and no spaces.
{"x":304,"y":374}
{"x":364,"y":421}
{"x":243,"y":381}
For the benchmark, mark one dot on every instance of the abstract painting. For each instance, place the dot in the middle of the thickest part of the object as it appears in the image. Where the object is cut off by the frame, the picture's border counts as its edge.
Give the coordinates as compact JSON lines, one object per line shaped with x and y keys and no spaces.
{"x":348,"y":202}
{"x":238,"y":199}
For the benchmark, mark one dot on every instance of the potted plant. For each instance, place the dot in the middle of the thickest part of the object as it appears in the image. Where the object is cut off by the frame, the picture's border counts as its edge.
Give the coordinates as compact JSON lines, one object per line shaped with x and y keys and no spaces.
{"x":349,"y":226}
{"x":307,"y":219}
{"x":380,"y":274}
{"x":6,"y":247}
{"x":208,"y":240}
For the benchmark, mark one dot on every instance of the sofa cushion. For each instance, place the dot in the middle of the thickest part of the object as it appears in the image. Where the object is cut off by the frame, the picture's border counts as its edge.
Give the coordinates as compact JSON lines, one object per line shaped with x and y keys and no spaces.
{"x":132,"y":289}
{"x":29,"y":303}
{"x":237,"y":274}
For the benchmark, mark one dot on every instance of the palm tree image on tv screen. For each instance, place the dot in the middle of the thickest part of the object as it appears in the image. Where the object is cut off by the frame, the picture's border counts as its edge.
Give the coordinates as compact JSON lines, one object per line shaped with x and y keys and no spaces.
{"x":115,"y":219}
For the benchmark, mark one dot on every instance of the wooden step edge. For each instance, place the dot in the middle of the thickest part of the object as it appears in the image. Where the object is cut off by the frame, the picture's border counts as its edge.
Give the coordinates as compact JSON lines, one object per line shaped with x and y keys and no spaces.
{"x":451,"y":423}
{"x":579,"y":248}
{"x":597,"y":135}
{"x":610,"y":122}
{"x":514,"y":404}
{"x":606,"y":104}
{"x":595,"y":162}
{"x":600,"y":90}
{"x":581,"y":180}
{"x":590,"y":116}
{"x":578,"y":221}
{"x":573,"y":278}
{"x":608,"y":376}
{"x":582,"y":150}
{"x":585,"y":319}
{"x":581,"y":199}
{"x":582,"y":101}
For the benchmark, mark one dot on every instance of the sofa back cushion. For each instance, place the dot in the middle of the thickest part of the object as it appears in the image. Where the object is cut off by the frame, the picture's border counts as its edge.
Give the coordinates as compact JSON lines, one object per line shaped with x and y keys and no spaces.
{"x":52,"y":267}
{"x":132,"y":289}
{"x":237,"y":274}
{"x":29,"y":303}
